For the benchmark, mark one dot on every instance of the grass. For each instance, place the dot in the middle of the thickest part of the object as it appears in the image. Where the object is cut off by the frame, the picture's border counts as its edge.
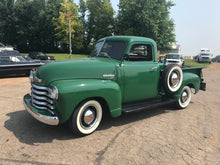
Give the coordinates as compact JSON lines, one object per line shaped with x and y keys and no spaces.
{"x":61,"y":57}
{"x":193,"y":63}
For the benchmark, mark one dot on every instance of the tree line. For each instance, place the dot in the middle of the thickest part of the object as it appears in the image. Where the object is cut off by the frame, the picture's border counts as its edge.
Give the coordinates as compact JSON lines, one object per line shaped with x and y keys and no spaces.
{"x":41,"y":25}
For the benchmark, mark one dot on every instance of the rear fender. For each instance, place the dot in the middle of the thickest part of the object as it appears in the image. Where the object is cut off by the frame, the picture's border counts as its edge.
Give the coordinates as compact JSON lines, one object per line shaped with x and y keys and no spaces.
{"x":73,"y":92}
{"x":189,"y":79}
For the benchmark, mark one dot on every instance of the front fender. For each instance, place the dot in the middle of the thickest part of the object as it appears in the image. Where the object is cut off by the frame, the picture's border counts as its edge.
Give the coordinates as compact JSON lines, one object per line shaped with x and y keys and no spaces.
{"x":189,"y":79}
{"x":72,"y":92}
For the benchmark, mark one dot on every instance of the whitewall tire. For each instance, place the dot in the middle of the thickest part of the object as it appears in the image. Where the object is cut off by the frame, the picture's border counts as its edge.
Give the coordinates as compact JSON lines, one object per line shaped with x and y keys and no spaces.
{"x":185,"y":98}
{"x":86,"y":118}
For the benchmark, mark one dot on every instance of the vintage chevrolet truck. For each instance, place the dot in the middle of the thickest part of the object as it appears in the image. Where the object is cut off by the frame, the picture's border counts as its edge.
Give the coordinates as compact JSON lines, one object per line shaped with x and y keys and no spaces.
{"x":122,"y":75}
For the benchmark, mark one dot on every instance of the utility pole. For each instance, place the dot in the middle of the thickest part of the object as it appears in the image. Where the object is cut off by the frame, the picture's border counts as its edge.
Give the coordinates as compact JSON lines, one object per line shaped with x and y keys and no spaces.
{"x":69,"y":17}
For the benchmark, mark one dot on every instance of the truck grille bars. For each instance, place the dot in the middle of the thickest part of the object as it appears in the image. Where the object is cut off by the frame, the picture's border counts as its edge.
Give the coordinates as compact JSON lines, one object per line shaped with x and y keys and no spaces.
{"x":41,"y":98}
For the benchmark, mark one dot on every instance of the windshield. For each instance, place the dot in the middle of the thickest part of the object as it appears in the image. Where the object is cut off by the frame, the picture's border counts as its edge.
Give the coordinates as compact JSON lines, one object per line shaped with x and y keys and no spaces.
{"x":97,"y":48}
{"x":17,"y":59}
{"x":173,"y":56}
{"x":41,"y":54}
{"x":110,"y":49}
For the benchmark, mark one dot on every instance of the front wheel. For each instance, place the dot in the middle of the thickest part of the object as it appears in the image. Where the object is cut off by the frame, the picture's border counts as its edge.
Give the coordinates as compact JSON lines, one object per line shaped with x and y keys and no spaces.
{"x":185,"y":98}
{"x":86,"y":118}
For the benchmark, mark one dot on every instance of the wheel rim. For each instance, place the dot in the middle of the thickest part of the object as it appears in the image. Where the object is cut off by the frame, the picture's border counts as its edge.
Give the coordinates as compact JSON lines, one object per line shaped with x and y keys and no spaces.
{"x":88,"y":117}
{"x":174,"y":79}
{"x":184,"y":97}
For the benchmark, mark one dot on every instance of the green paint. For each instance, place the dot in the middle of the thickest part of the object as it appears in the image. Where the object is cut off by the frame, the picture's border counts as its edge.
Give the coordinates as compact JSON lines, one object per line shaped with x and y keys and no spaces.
{"x":110,"y":81}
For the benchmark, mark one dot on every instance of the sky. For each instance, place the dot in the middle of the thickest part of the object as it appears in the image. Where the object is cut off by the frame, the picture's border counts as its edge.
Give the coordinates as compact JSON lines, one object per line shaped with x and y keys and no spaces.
{"x":197,"y":24}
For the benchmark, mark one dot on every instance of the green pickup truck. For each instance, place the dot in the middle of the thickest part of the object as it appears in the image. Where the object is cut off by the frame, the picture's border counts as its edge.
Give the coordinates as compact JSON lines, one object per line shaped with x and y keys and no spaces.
{"x":122,"y":75}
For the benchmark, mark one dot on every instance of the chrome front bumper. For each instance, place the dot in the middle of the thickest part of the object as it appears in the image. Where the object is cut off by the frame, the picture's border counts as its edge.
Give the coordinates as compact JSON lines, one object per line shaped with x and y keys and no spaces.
{"x":50,"y":120}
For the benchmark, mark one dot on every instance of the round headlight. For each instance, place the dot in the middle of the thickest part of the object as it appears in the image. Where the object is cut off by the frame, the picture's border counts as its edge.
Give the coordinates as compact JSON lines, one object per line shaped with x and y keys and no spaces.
{"x":54,"y":92}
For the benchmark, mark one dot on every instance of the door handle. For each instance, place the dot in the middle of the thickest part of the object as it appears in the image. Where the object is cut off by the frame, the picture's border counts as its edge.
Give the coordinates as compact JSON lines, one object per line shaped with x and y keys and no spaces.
{"x":154,"y":68}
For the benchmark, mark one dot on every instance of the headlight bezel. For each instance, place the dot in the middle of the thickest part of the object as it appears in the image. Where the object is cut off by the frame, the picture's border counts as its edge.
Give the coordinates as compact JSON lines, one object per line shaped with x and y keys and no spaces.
{"x":32,"y":74}
{"x":54,"y":92}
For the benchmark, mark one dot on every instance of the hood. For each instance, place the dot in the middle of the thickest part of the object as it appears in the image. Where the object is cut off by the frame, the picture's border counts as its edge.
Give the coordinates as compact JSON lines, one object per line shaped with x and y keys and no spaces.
{"x":88,"y":68}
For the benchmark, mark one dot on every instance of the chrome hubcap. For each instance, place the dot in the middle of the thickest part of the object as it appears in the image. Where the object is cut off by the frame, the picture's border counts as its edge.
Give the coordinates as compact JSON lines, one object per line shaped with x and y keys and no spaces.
{"x":88,"y":117}
{"x":174,"y":80}
{"x":184,"y":97}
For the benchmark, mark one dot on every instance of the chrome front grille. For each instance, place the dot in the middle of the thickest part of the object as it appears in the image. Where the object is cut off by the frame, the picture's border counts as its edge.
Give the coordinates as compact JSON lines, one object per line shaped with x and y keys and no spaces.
{"x":41,"y":98}
{"x":173,"y":61}
{"x":205,"y":58}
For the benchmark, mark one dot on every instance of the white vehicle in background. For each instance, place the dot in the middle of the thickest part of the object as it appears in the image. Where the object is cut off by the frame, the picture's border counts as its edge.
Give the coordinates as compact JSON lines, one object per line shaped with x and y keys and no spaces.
{"x":204,"y":55}
{"x":174,"y":58}
{"x":3,"y":47}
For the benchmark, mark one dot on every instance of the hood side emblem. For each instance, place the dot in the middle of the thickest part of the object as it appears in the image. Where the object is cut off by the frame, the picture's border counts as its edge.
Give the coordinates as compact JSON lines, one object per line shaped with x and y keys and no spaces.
{"x":109,"y":75}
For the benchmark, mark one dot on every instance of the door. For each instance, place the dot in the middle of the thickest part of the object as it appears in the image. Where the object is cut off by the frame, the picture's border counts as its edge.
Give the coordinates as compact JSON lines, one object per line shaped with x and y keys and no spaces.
{"x":141,"y":74}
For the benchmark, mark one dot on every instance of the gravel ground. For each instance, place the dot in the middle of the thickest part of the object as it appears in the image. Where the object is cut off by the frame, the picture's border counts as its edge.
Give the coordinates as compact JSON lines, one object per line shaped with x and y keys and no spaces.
{"x":164,"y":135}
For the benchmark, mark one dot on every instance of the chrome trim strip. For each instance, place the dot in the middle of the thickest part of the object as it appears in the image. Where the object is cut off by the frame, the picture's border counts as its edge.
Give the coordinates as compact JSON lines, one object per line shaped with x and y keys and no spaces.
{"x":50,"y":120}
{"x":41,"y":93}
{"x":40,"y":87}
{"x":38,"y":107}
{"x":109,"y":75}
{"x":42,"y":98}
{"x":43,"y":108}
{"x":14,"y":65}
{"x":42,"y":103}
{"x":38,"y":92}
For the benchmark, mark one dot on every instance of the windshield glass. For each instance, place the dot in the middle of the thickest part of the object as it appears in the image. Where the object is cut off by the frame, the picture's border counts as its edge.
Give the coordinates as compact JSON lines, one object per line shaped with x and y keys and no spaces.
{"x":41,"y":54}
{"x":21,"y":59}
{"x":173,"y":56}
{"x":17,"y":59}
{"x":97,"y":48}
{"x":110,"y":49}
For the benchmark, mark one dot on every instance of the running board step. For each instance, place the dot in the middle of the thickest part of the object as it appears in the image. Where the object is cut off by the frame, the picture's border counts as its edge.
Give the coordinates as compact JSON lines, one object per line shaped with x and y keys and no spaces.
{"x":140,"y":106}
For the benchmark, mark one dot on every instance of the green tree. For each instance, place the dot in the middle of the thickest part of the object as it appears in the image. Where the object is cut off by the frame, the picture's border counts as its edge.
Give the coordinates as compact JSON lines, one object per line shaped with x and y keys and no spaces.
{"x":100,"y":19}
{"x":62,"y":26}
{"x":27,"y":24}
{"x":52,"y":11}
{"x":82,"y":12}
{"x":7,"y":21}
{"x":148,"y":18}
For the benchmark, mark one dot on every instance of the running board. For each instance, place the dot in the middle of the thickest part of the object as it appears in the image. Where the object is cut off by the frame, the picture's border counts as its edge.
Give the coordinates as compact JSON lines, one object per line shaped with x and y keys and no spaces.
{"x":140,"y":106}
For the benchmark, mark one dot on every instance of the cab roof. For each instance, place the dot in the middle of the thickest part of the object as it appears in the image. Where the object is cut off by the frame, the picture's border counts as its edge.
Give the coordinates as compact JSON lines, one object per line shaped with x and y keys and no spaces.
{"x":128,"y":38}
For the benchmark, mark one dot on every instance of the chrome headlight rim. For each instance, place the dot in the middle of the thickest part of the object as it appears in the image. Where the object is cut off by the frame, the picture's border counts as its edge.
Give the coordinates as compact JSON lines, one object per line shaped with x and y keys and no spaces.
{"x":32,"y":74}
{"x":53,"y":92}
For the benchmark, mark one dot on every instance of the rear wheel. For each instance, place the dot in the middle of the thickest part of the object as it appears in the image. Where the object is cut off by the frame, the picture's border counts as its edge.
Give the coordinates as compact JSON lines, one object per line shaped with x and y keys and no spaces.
{"x":86,"y":118}
{"x":185,"y":98}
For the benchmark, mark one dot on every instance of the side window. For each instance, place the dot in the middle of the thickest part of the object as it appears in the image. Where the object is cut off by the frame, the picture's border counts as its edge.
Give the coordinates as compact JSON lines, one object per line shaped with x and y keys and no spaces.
{"x":140,"y":52}
{"x":4,"y":59}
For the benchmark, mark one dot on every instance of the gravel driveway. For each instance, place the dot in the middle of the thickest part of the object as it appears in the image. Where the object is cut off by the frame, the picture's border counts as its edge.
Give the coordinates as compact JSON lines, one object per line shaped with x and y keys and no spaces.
{"x":160,"y":136}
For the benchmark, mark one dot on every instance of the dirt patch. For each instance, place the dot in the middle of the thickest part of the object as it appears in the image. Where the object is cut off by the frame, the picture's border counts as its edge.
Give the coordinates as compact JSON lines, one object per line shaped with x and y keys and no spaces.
{"x":5,"y":81}
{"x":215,"y":66}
